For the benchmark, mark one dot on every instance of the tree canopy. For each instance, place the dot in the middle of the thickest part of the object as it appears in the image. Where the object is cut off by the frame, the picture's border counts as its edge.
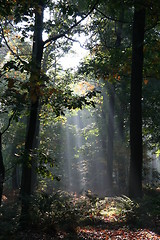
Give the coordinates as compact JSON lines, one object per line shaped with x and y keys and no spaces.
{"x":92,"y":130}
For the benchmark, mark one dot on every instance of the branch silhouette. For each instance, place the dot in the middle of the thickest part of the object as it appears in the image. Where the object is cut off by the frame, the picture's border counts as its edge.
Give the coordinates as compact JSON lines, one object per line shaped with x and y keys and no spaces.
{"x":55,"y":37}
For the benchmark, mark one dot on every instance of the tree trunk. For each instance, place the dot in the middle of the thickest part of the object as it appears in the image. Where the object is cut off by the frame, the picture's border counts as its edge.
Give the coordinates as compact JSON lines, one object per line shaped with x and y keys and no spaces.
{"x":2,"y":170}
{"x":111,"y":91}
{"x":15,"y":177}
{"x":110,"y":150}
{"x":135,"y":178}
{"x":28,"y":163}
{"x":34,"y":181}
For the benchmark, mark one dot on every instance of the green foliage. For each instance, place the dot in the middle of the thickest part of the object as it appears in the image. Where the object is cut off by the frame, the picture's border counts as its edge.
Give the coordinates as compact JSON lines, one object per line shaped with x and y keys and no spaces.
{"x":127,"y":208}
{"x":57,"y":211}
{"x":45,"y":165}
{"x":62,"y":214}
{"x":6,"y":8}
{"x":60,"y":100}
{"x":107,"y":62}
{"x":151,"y":109}
{"x":9,"y":217}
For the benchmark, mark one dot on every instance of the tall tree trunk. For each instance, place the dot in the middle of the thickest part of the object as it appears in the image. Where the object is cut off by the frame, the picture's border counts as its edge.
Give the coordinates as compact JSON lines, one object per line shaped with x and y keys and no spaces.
{"x":110,"y":151}
{"x":15,"y":177}
{"x":27,"y":168}
{"x":111,"y":91}
{"x":2,"y":170}
{"x":34,"y":181}
{"x":135,"y":178}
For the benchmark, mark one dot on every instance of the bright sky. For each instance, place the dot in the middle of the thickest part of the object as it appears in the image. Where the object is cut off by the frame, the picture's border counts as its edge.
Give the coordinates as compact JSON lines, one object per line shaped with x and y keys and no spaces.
{"x":72,"y":59}
{"x":76,"y":53}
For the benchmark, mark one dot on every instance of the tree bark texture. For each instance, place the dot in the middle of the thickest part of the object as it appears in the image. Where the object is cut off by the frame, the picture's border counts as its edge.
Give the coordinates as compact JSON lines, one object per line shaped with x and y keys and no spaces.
{"x":135,"y":177}
{"x":110,"y":143}
{"x":111,"y":113}
{"x":2,"y":170}
{"x":31,"y":135}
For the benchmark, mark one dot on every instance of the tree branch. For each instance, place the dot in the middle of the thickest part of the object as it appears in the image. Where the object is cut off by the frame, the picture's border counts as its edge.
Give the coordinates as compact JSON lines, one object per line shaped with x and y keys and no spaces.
{"x":110,"y":18}
{"x":152,"y":26}
{"x":10,"y":49}
{"x":54,"y":38}
{"x":74,"y":40}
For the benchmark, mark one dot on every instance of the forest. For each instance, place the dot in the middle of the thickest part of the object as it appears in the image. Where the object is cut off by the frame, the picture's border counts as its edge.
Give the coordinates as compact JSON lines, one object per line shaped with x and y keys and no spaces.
{"x":79,"y":134}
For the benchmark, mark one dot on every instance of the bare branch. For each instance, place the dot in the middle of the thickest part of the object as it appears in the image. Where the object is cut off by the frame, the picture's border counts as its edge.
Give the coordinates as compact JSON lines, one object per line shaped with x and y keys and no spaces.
{"x":74,"y":40}
{"x":54,"y":38}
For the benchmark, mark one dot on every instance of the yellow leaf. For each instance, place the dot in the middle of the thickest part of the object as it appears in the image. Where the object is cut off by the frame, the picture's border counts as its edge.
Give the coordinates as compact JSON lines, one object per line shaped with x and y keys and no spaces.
{"x":158,"y":153}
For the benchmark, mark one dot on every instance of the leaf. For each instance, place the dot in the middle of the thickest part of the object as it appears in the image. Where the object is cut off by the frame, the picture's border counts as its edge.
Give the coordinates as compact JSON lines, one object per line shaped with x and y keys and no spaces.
{"x":158,"y":153}
{"x":146,"y":81}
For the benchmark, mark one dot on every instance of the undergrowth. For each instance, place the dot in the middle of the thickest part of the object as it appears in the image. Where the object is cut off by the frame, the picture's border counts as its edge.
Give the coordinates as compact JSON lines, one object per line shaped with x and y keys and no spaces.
{"x":63,"y":213}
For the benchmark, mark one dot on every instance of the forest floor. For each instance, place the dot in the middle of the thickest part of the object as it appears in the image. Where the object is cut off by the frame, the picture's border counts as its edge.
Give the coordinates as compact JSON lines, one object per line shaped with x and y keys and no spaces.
{"x":62,"y":216}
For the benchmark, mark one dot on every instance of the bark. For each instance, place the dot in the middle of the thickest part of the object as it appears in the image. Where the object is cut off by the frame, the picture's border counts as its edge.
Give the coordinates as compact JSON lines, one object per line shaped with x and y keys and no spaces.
{"x":2,"y":167}
{"x":28,"y":161}
{"x":111,"y":91}
{"x":135,"y":176}
{"x":15,"y":177}
{"x":37,"y":53}
{"x":2,"y":170}
{"x":34,"y":181}
{"x":110,"y":143}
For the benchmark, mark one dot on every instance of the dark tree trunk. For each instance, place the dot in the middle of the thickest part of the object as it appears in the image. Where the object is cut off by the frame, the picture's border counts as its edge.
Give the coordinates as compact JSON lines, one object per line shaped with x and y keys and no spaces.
{"x":2,"y":170}
{"x":26,"y":181}
{"x":111,"y":91}
{"x":31,"y":135}
{"x":15,"y":178}
{"x":135,"y":178}
{"x":34,"y":182}
{"x":110,"y":131}
{"x":29,"y":151}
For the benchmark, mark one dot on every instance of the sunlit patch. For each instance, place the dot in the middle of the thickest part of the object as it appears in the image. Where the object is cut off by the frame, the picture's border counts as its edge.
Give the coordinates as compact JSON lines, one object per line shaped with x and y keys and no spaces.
{"x":82,"y":87}
{"x":121,"y":233}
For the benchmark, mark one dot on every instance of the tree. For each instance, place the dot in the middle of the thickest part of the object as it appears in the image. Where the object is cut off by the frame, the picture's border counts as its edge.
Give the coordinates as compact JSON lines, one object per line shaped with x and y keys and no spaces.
{"x":2,"y":167}
{"x":135,"y":177}
{"x":110,"y":33}
{"x":36,"y":81}
{"x":37,"y":53}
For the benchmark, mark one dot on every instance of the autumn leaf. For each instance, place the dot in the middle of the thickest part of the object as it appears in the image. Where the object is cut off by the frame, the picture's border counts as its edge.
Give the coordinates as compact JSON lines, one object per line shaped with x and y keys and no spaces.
{"x":146,"y":81}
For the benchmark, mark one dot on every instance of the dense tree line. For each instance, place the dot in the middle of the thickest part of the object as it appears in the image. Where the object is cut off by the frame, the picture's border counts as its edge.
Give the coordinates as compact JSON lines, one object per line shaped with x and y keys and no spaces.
{"x":117,"y":89}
